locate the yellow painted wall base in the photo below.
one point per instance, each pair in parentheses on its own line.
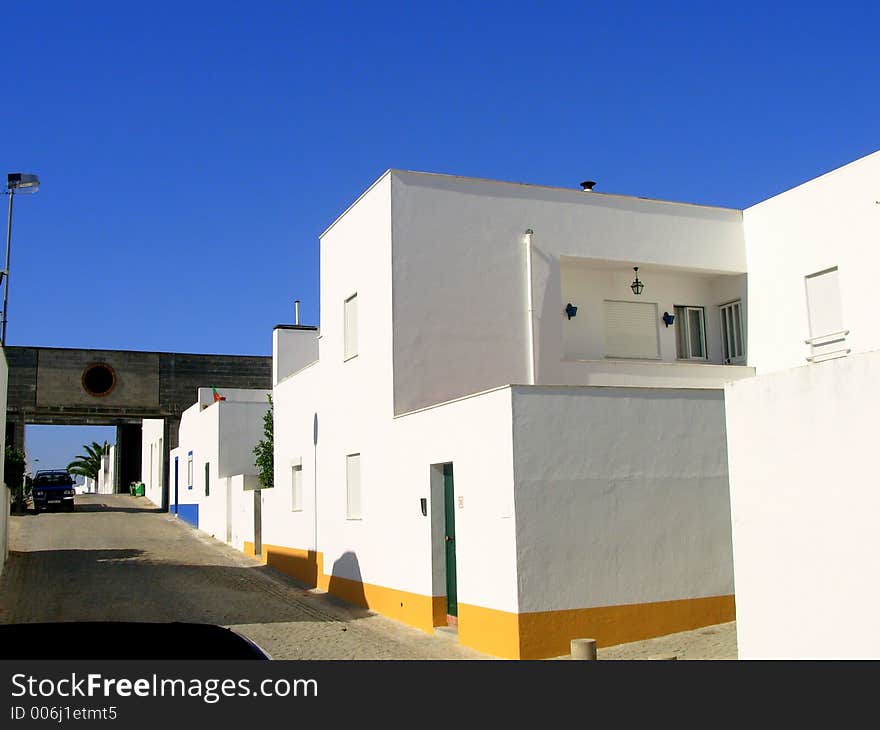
(500,633)
(549,633)
(308,566)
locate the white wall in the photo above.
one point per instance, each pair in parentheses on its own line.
(393,541)
(833,220)
(293,348)
(152,458)
(222,435)
(336,407)
(241,427)
(459,272)
(107,475)
(4,491)
(621,496)
(804,501)
(242,512)
(198,432)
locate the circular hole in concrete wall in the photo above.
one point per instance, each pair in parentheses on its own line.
(99,379)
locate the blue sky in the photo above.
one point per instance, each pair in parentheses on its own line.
(191,153)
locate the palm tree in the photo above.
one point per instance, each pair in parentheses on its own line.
(89,466)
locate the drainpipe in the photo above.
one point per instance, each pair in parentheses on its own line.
(530,328)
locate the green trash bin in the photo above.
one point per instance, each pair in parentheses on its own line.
(139,489)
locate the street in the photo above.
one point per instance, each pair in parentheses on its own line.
(118,558)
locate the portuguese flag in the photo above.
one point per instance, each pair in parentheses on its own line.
(217,396)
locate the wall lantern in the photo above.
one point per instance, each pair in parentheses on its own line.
(668,318)
(571,310)
(636,286)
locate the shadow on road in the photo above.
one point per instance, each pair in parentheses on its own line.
(86,507)
(103,507)
(127,585)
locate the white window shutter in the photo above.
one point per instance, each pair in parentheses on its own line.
(823,303)
(353,482)
(631,330)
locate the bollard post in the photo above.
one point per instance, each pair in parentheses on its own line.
(583,649)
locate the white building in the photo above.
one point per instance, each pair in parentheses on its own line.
(152,458)
(460,450)
(214,463)
(801,439)
(87,486)
(107,474)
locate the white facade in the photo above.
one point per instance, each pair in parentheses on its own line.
(214,455)
(88,486)
(153,458)
(800,435)
(462,294)
(293,348)
(107,475)
(438,313)
(827,223)
(804,505)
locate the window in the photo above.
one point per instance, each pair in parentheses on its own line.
(827,334)
(823,303)
(296,487)
(351,327)
(353,486)
(732,337)
(189,470)
(690,333)
(207,480)
(631,330)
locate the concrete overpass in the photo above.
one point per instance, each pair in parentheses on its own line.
(119,388)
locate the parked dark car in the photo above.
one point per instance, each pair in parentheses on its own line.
(53,489)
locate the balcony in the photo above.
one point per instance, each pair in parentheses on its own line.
(647,374)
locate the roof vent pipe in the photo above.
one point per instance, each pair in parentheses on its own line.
(587,185)
(296,311)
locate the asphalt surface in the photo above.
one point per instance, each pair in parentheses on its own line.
(117,558)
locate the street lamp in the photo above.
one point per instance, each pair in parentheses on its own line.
(25,183)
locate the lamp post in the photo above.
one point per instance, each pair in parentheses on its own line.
(26,183)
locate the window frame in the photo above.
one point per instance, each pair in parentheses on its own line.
(348,489)
(207,478)
(347,352)
(727,335)
(683,333)
(296,490)
(189,470)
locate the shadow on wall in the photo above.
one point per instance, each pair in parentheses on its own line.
(346,581)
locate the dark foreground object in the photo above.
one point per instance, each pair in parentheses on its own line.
(124,640)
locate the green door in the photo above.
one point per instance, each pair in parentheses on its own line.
(449,501)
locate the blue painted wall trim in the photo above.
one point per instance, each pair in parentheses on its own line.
(189,513)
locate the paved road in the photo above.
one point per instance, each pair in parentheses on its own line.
(114,559)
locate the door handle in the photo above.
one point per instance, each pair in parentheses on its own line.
(449,538)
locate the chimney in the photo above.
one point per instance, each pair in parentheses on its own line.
(587,185)
(296,311)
